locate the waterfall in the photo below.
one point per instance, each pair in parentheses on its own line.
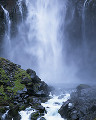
(84,39)
(19,3)
(45,20)
(83,23)
(40,42)
(7,39)
(8,26)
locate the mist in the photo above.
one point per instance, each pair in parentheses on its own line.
(55,38)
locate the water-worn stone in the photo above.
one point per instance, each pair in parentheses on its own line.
(83,105)
(35,115)
(42,118)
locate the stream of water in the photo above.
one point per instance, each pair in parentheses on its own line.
(52,107)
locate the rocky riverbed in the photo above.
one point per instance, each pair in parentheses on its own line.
(81,105)
(20,89)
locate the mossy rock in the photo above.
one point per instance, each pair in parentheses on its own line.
(3,109)
(35,116)
(42,118)
(23,107)
(11,76)
(17,85)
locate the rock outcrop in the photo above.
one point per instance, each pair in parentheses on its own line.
(20,89)
(81,105)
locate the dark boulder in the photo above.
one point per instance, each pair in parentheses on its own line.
(13,113)
(42,118)
(35,116)
(64,110)
(31,73)
(81,105)
(20,89)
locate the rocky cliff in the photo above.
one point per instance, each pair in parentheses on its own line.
(20,89)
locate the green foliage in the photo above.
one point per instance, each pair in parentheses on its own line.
(4,77)
(4,96)
(11,73)
(2,90)
(20,74)
(35,116)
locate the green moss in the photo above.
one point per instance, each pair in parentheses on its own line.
(35,116)
(2,109)
(11,77)
(23,107)
(4,96)
(2,89)
(19,75)
(4,77)
(18,86)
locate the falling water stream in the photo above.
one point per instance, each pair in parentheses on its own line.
(83,24)
(19,3)
(40,45)
(7,40)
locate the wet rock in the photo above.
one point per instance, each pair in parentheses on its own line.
(83,106)
(42,118)
(13,113)
(93,108)
(35,116)
(3,109)
(18,89)
(31,73)
(64,110)
(9,117)
(25,80)
(41,108)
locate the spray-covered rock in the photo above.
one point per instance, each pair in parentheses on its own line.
(81,105)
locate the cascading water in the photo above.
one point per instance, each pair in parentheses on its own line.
(48,50)
(7,41)
(40,41)
(19,3)
(84,39)
(83,24)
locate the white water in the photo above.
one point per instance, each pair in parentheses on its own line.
(40,41)
(47,49)
(25,115)
(19,3)
(84,39)
(52,107)
(4,115)
(7,41)
(83,22)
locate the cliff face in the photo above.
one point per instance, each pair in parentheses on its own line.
(20,89)
(13,7)
(80,15)
(80,35)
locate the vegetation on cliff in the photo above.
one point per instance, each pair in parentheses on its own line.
(20,88)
